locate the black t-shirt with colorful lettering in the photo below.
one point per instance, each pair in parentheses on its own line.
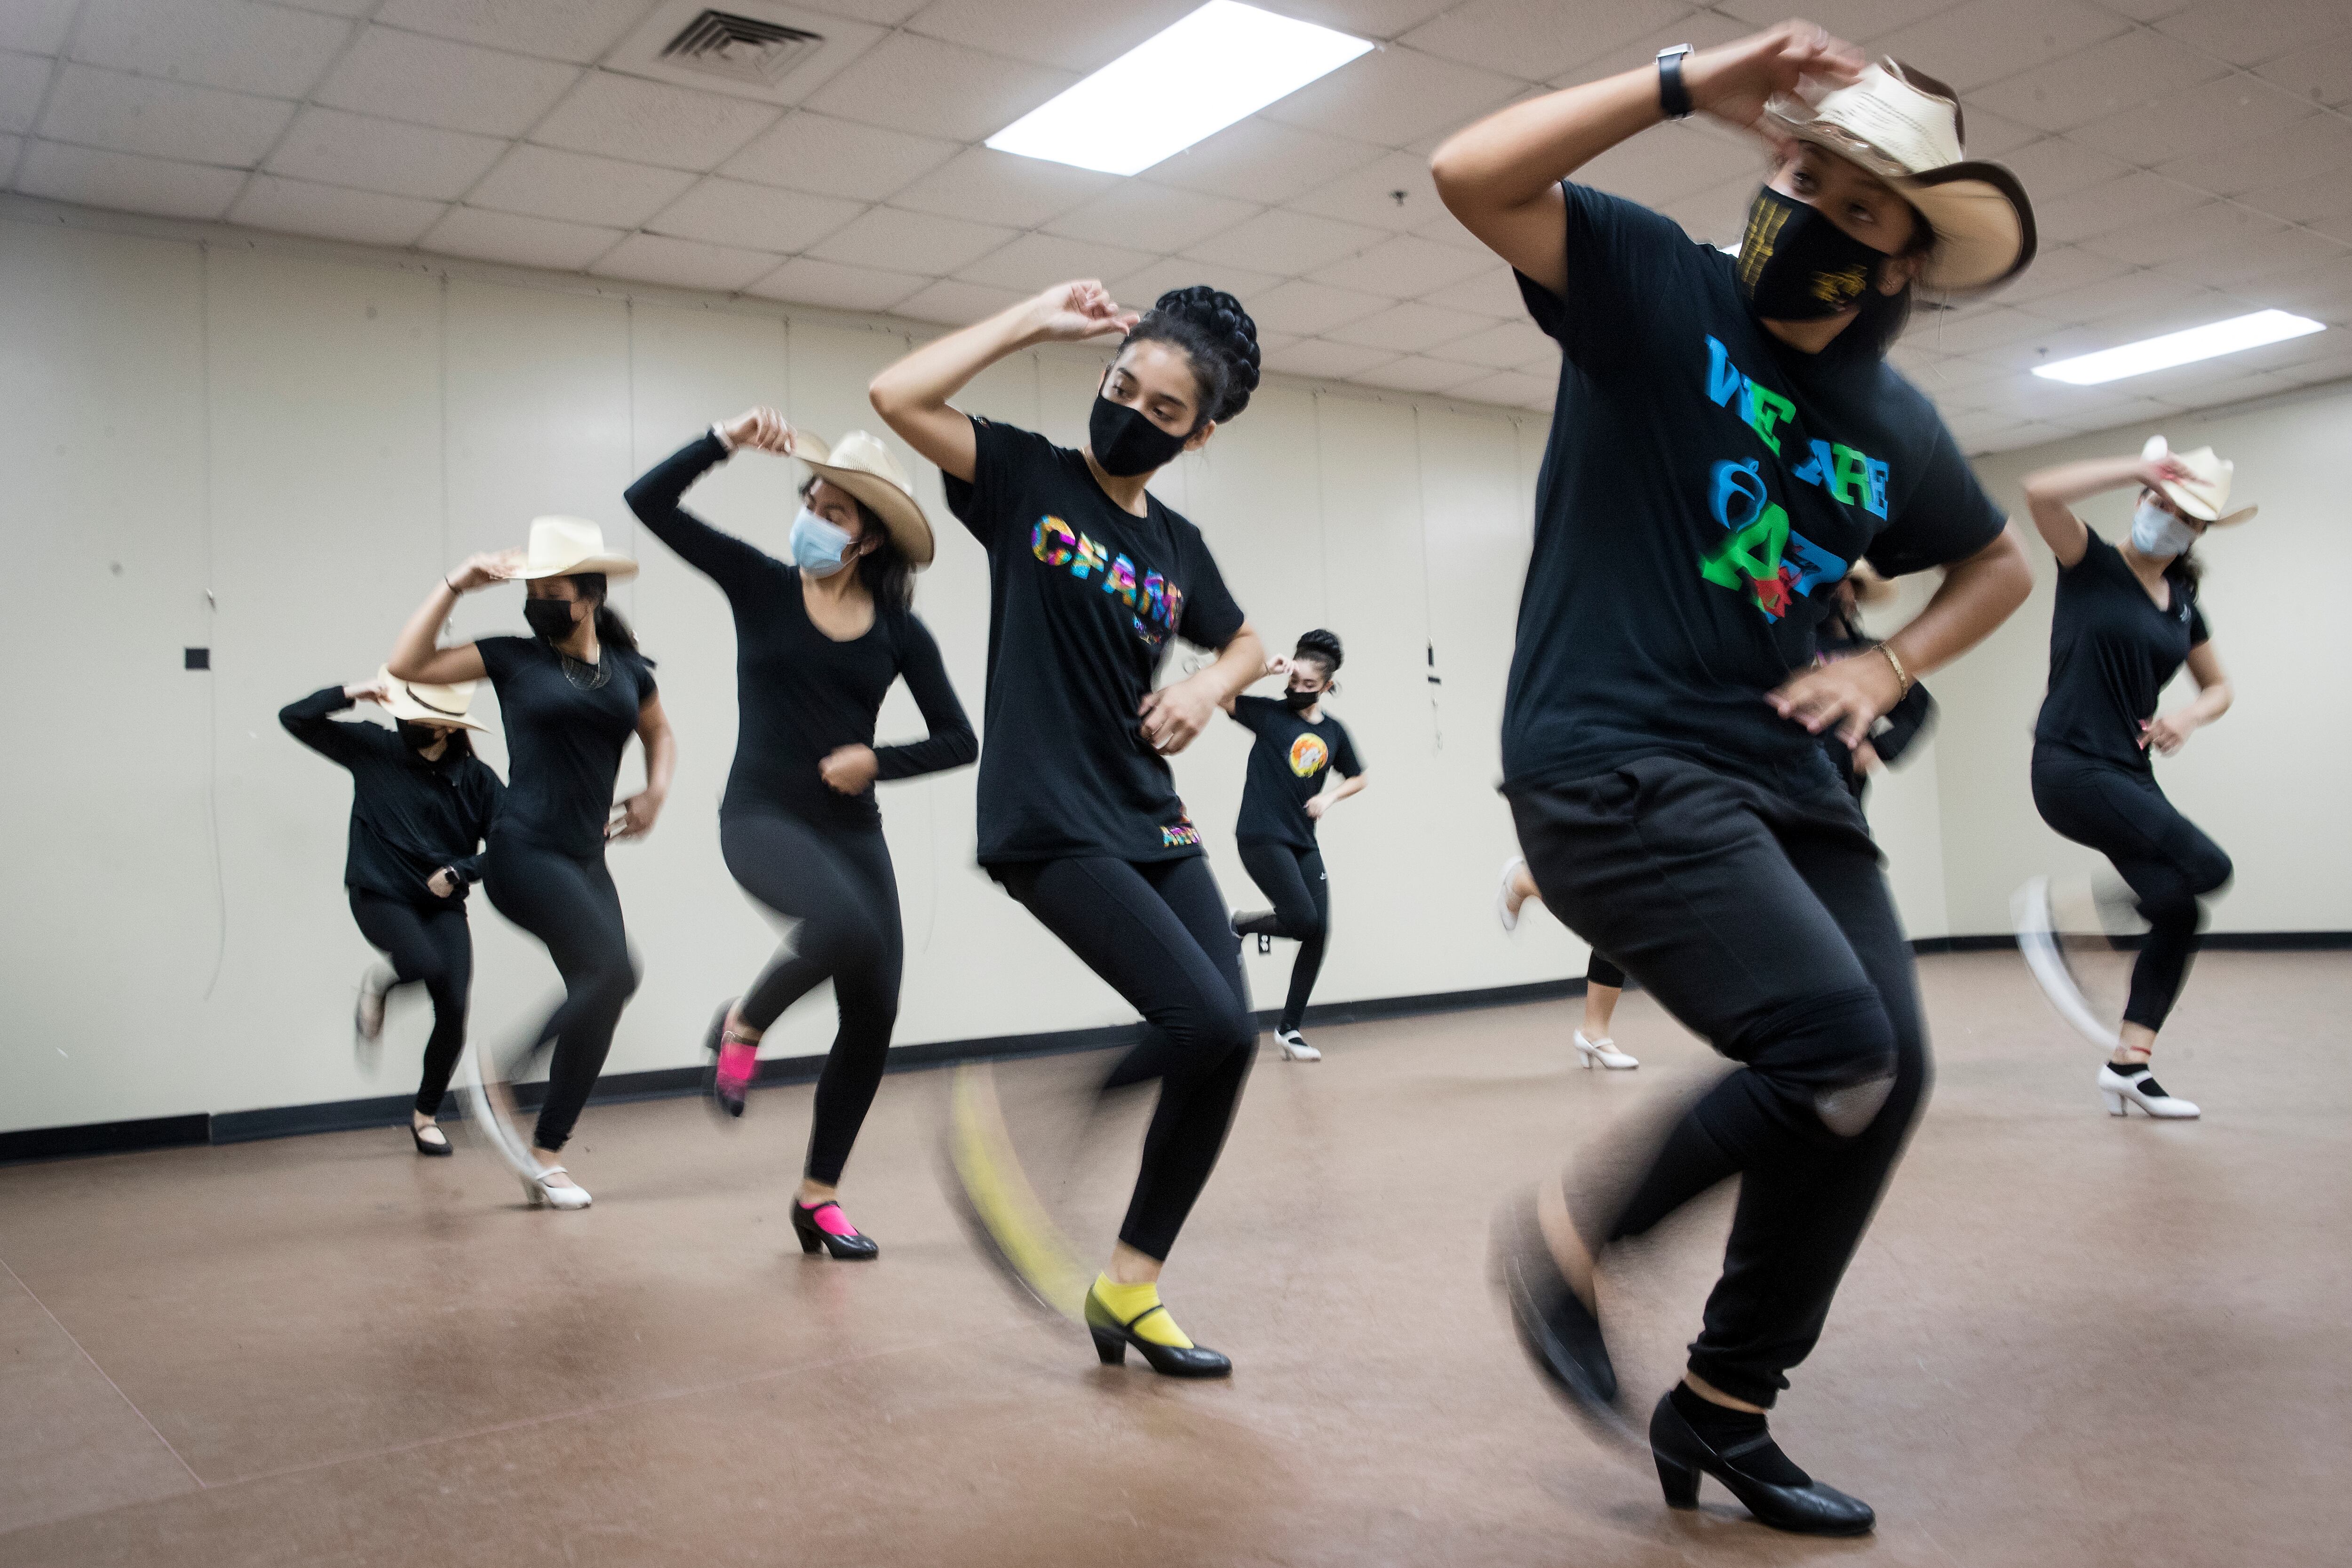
(2112,650)
(1288,766)
(1084,597)
(1704,486)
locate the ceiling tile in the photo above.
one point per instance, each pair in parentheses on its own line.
(1151,218)
(921,85)
(9,147)
(1330,362)
(1982,329)
(1509,346)
(1857,20)
(1446,229)
(1409,328)
(576,188)
(2140,291)
(2312,150)
(837,158)
(2054,270)
(2310,291)
(1493,292)
(2053,166)
(1393,96)
(1511,389)
(1035,260)
(1369,194)
(168,119)
(1405,267)
(955,304)
(684,263)
(2103,209)
(1415,373)
(1701,29)
(652,122)
(2322,73)
(2305,200)
(519,241)
(1286,242)
(432,81)
(1535,40)
(126,182)
(1715,216)
(1312,309)
(2247,34)
(1077,34)
(335,7)
(23,80)
(2099,81)
(334,148)
(753,217)
(2221,113)
(804,280)
(1258,160)
(1364,19)
(912,242)
(576,30)
(2244,266)
(1984,40)
(2146,10)
(365,217)
(1673,160)
(1138,289)
(2174,235)
(881,13)
(988,186)
(233,44)
(36,26)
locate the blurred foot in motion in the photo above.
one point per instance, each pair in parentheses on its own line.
(367,1018)
(1547,1271)
(999,1205)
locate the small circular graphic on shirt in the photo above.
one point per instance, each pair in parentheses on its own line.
(1308,755)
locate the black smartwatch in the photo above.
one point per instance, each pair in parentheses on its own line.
(1674,94)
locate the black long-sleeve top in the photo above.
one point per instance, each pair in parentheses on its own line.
(410,818)
(800,695)
(1897,727)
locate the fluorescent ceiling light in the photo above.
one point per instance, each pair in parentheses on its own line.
(1224,62)
(2180,348)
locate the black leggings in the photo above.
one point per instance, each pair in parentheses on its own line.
(1599,971)
(1156,932)
(1293,878)
(569,902)
(430,946)
(838,884)
(1759,917)
(2167,858)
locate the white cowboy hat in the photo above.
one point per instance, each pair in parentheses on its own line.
(1905,128)
(864,467)
(421,704)
(568,546)
(2206,490)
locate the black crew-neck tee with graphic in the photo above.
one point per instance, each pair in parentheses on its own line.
(2112,650)
(1288,765)
(564,739)
(1084,597)
(1704,486)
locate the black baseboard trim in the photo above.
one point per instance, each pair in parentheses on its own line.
(666,1083)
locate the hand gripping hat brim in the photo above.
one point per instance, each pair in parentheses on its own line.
(2206,490)
(860,464)
(568,547)
(420,703)
(1905,128)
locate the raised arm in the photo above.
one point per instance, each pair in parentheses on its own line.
(2167,732)
(417,655)
(306,719)
(723,558)
(1501,175)
(1275,664)
(2051,495)
(912,394)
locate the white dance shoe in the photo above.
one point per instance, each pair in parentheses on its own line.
(2122,1093)
(367,1016)
(2037,939)
(1294,1048)
(1505,910)
(1602,1052)
(540,1192)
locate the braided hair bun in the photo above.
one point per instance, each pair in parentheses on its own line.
(1217,335)
(1321,645)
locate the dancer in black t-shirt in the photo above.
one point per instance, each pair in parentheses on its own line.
(818,642)
(571,696)
(2126,621)
(421,804)
(1299,749)
(1090,578)
(1726,441)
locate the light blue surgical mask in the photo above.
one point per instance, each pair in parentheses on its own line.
(818,547)
(2155,531)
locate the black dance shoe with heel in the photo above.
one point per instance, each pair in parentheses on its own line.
(1112,1337)
(437,1146)
(1560,1334)
(1753,1469)
(849,1245)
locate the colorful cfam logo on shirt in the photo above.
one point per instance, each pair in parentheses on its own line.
(1156,605)
(1180,833)
(1308,755)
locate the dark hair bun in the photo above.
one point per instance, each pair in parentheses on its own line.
(1319,644)
(1211,326)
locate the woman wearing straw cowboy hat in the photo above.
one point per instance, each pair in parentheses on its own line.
(2126,621)
(819,639)
(1728,441)
(571,695)
(421,804)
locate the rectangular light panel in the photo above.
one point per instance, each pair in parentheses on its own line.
(2228,337)
(1223,62)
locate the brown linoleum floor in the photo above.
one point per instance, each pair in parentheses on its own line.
(2068,1340)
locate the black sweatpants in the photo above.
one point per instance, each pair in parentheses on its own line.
(1292,880)
(1758,916)
(2167,859)
(1156,932)
(569,902)
(431,946)
(839,885)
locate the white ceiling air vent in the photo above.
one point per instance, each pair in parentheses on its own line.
(742,49)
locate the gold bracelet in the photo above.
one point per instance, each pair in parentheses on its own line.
(1902,675)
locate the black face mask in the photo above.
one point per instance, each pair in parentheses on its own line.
(1126,443)
(550,618)
(1300,701)
(1795,265)
(418,737)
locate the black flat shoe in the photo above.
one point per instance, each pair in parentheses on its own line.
(1112,1338)
(1557,1330)
(853,1248)
(437,1151)
(1809,1510)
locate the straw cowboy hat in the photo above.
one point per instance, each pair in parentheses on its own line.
(2206,490)
(864,467)
(1905,128)
(568,546)
(421,704)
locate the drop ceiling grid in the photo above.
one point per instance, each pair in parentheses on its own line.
(2191,158)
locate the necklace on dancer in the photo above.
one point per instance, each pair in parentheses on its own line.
(583,675)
